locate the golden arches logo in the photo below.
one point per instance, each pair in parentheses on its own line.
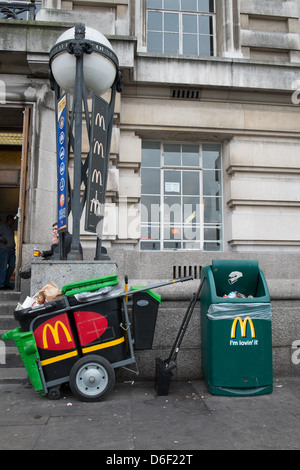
(54,331)
(243,326)
(101,121)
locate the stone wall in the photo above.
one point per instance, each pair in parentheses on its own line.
(281,272)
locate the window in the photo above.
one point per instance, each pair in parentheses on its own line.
(181,201)
(180,27)
(19,9)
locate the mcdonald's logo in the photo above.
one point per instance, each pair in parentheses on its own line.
(98,148)
(95,207)
(97,176)
(101,121)
(243,327)
(55,334)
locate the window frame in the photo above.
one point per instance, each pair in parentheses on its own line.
(154,223)
(180,33)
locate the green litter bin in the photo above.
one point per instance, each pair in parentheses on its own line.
(236,330)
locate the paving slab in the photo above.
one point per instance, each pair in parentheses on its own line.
(134,419)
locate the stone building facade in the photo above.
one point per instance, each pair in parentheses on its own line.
(204,159)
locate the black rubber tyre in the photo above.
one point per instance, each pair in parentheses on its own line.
(54,393)
(91,378)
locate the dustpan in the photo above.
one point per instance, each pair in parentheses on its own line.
(163,376)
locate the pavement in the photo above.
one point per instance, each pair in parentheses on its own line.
(133,418)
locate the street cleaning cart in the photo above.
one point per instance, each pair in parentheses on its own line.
(81,338)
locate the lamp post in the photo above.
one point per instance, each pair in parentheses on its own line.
(82,61)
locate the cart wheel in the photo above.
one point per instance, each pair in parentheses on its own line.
(54,393)
(91,378)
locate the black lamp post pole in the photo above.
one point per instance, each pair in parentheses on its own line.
(77,47)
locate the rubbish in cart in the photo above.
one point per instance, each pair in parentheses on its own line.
(79,339)
(28,302)
(48,293)
(163,371)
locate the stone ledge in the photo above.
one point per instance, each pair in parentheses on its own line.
(64,272)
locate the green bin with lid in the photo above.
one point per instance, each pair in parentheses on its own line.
(236,332)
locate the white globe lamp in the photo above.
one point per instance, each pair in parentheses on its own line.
(99,66)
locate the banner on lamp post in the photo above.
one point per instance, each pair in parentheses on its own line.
(98,165)
(62,164)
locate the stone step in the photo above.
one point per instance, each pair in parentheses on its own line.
(11,365)
(8,301)
(11,357)
(13,375)
(7,306)
(9,354)
(9,295)
(7,322)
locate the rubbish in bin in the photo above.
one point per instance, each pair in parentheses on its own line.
(231,295)
(163,370)
(235,294)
